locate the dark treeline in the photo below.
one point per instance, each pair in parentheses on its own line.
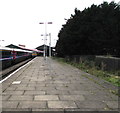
(93,31)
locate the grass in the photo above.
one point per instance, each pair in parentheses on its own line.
(90,68)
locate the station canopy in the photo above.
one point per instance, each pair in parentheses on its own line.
(23,48)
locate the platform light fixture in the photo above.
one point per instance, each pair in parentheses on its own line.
(45,37)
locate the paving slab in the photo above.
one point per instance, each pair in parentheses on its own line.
(25,88)
(21,98)
(72,97)
(61,104)
(48,86)
(13,92)
(5,97)
(46,97)
(48,110)
(34,92)
(92,105)
(57,92)
(32,104)
(112,104)
(10,104)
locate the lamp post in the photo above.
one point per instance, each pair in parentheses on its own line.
(45,36)
(50,45)
(45,42)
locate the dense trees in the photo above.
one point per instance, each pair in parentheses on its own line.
(95,30)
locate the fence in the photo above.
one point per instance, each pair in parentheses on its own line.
(104,63)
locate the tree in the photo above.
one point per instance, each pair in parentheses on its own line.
(95,30)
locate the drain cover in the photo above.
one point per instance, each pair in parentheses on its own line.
(16,82)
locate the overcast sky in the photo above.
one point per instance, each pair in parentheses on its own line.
(19,19)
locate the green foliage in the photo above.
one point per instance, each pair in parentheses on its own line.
(95,30)
(114,79)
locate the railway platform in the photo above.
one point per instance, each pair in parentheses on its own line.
(47,85)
